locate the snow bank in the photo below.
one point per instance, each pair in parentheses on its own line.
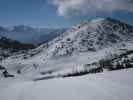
(115,85)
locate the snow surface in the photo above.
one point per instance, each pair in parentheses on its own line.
(117,85)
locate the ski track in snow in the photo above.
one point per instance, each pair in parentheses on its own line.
(115,85)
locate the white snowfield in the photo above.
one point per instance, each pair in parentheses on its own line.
(117,85)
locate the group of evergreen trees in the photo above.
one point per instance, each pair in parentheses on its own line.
(116,62)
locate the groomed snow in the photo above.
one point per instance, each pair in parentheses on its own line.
(117,85)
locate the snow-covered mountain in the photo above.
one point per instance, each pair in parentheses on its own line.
(2,29)
(86,48)
(22,28)
(92,36)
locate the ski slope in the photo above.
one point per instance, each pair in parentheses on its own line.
(117,85)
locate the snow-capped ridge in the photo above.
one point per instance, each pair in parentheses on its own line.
(91,36)
(97,20)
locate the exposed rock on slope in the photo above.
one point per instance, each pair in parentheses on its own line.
(92,36)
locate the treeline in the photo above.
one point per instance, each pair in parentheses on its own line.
(117,62)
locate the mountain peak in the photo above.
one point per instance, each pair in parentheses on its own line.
(98,20)
(104,19)
(93,35)
(23,28)
(3,29)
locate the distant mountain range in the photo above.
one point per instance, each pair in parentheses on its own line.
(27,34)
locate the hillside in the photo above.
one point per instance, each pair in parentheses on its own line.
(92,36)
(86,48)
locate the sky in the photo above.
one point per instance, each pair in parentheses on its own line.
(62,13)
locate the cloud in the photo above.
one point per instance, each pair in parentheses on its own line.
(78,7)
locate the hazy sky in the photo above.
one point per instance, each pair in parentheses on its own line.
(62,13)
